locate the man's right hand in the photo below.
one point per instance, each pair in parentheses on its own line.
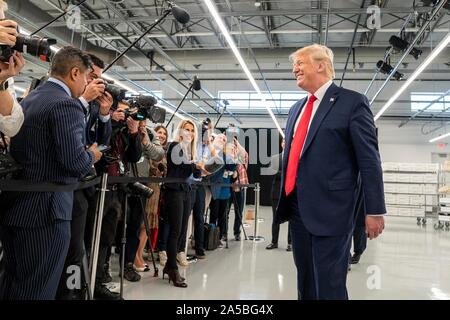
(118,116)
(12,68)
(94,90)
(97,154)
(8,32)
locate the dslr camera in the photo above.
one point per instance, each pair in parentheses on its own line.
(32,45)
(117,93)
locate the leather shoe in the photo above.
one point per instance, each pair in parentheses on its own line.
(355,258)
(103,293)
(272,246)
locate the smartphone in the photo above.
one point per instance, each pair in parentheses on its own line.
(103,148)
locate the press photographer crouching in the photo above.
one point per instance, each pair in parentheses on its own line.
(97,103)
(50,147)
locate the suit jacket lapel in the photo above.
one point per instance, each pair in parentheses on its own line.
(325,106)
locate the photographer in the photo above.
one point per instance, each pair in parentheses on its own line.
(154,144)
(97,104)
(126,148)
(11,115)
(36,225)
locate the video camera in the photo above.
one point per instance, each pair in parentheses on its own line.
(33,45)
(144,107)
(139,189)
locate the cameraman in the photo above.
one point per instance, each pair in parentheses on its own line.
(11,115)
(36,225)
(126,148)
(97,104)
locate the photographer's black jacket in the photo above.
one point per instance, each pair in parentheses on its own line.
(179,166)
(125,146)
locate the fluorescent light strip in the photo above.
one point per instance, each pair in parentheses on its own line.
(237,54)
(440,137)
(441,46)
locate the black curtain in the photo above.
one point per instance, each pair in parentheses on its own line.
(254,170)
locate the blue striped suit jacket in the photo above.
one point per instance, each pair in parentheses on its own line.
(50,148)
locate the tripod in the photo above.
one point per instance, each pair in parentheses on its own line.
(237,211)
(141,191)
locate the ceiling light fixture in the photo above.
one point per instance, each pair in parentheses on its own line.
(440,137)
(441,46)
(213,10)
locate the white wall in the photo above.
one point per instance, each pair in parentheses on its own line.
(408,152)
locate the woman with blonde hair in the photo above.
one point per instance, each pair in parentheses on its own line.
(177,199)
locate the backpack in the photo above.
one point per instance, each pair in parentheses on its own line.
(212,235)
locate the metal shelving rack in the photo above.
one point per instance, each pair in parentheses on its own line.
(411,189)
(444,199)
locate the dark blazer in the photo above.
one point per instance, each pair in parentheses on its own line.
(96,130)
(179,166)
(50,148)
(341,143)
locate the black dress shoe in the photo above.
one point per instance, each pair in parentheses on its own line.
(272,246)
(355,258)
(103,293)
(289,247)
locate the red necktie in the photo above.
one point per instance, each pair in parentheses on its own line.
(297,146)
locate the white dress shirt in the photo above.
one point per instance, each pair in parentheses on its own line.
(319,94)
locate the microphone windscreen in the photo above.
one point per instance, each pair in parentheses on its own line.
(196,85)
(147,100)
(180,15)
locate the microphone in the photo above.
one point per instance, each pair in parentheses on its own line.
(196,85)
(147,100)
(161,167)
(181,15)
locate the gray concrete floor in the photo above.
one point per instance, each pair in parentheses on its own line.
(407,262)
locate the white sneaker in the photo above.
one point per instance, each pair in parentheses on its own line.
(181,258)
(162,258)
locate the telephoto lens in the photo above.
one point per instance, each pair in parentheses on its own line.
(139,189)
(32,45)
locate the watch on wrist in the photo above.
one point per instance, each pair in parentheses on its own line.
(4,85)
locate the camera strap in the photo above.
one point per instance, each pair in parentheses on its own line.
(5,147)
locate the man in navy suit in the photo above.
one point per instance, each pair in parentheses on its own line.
(49,146)
(330,141)
(97,103)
